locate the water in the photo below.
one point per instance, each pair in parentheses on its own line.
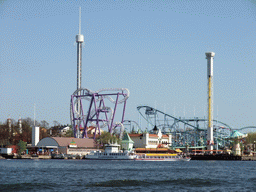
(90,175)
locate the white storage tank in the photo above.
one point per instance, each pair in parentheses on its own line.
(35,135)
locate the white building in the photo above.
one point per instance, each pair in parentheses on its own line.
(154,140)
(64,130)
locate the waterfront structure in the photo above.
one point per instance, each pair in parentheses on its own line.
(210,141)
(151,140)
(67,145)
(161,157)
(190,132)
(5,151)
(111,152)
(127,143)
(35,135)
(236,136)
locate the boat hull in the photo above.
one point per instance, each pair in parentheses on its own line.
(109,158)
(162,159)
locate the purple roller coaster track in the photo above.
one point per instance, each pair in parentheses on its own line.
(98,115)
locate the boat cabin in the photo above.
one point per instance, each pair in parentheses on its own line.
(112,148)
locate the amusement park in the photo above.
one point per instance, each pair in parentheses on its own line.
(93,113)
(104,110)
(120,95)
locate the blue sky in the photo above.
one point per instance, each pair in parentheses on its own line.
(155,48)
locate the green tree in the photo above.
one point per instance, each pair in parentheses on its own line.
(44,124)
(4,134)
(26,130)
(250,138)
(56,123)
(22,146)
(106,138)
(69,133)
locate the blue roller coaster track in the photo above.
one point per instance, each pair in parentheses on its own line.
(185,132)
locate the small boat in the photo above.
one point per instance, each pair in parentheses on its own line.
(162,157)
(111,153)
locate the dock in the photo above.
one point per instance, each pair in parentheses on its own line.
(224,157)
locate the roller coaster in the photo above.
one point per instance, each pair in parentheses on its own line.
(186,132)
(98,109)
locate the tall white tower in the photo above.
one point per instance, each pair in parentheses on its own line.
(35,130)
(35,135)
(79,41)
(20,125)
(210,141)
(9,122)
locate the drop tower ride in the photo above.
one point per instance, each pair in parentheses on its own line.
(210,141)
(79,41)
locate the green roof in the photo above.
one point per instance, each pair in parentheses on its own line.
(236,134)
(126,138)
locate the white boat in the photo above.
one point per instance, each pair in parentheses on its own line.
(111,153)
(162,157)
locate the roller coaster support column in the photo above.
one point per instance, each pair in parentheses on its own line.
(97,110)
(87,119)
(111,126)
(210,141)
(123,112)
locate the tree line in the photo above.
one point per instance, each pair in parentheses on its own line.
(13,136)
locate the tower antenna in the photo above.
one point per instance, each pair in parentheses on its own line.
(34,114)
(79,20)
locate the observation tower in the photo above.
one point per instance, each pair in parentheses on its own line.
(92,108)
(79,41)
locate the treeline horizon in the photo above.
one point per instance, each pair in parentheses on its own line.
(31,122)
(13,137)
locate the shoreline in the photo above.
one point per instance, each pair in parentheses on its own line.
(77,157)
